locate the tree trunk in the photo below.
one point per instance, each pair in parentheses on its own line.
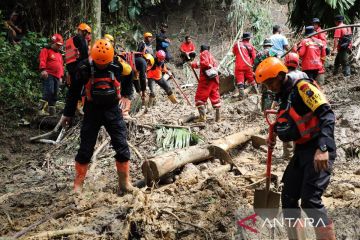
(96,20)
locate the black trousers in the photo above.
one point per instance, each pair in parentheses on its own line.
(162,83)
(140,85)
(111,119)
(50,89)
(302,182)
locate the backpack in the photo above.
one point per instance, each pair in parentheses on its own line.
(103,91)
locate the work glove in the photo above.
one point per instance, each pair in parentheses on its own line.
(65,121)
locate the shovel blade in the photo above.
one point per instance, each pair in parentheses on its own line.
(266,203)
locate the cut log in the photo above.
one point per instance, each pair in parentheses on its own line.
(236,139)
(165,163)
(258,141)
(158,166)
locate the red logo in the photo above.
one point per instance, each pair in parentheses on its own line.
(252,218)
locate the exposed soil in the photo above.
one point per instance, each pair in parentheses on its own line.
(201,201)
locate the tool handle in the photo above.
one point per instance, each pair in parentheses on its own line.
(177,85)
(270,149)
(267,114)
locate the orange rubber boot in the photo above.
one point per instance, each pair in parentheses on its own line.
(80,174)
(124,177)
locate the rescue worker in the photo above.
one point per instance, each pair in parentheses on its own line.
(110,38)
(245,55)
(321,36)
(145,46)
(101,79)
(155,74)
(305,117)
(187,50)
(127,75)
(14,32)
(52,70)
(342,46)
(163,42)
(312,53)
(208,86)
(267,97)
(76,50)
(279,41)
(291,61)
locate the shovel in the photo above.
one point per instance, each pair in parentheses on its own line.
(266,202)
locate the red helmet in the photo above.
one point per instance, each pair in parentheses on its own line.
(57,38)
(161,55)
(292,60)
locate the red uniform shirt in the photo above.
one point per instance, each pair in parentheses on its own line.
(52,62)
(313,53)
(248,53)
(207,61)
(340,32)
(187,47)
(321,36)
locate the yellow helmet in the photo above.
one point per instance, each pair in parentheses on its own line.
(126,68)
(147,34)
(84,27)
(150,59)
(109,37)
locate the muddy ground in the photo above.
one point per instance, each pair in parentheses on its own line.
(201,201)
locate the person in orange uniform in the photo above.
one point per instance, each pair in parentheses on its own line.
(245,56)
(305,117)
(52,70)
(187,50)
(101,79)
(208,86)
(312,53)
(321,36)
(342,46)
(76,50)
(155,74)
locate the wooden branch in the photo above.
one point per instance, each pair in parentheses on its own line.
(56,129)
(58,233)
(54,215)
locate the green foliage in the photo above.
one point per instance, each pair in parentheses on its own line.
(19,78)
(173,138)
(253,13)
(302,11)
(134,7)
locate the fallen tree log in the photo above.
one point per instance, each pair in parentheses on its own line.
(158,166)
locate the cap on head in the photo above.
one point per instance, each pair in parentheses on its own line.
(84,27)
(339,18)
(102,52)
(57,39)
(269,68)
(267,42)
(246,35)
(315,20)
(309,30)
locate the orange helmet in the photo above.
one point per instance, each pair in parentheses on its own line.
(102,52)
(292,60)
(84,27)
(269,68)
(147,34)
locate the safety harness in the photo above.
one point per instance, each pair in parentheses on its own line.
(291,126)
(102,90)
